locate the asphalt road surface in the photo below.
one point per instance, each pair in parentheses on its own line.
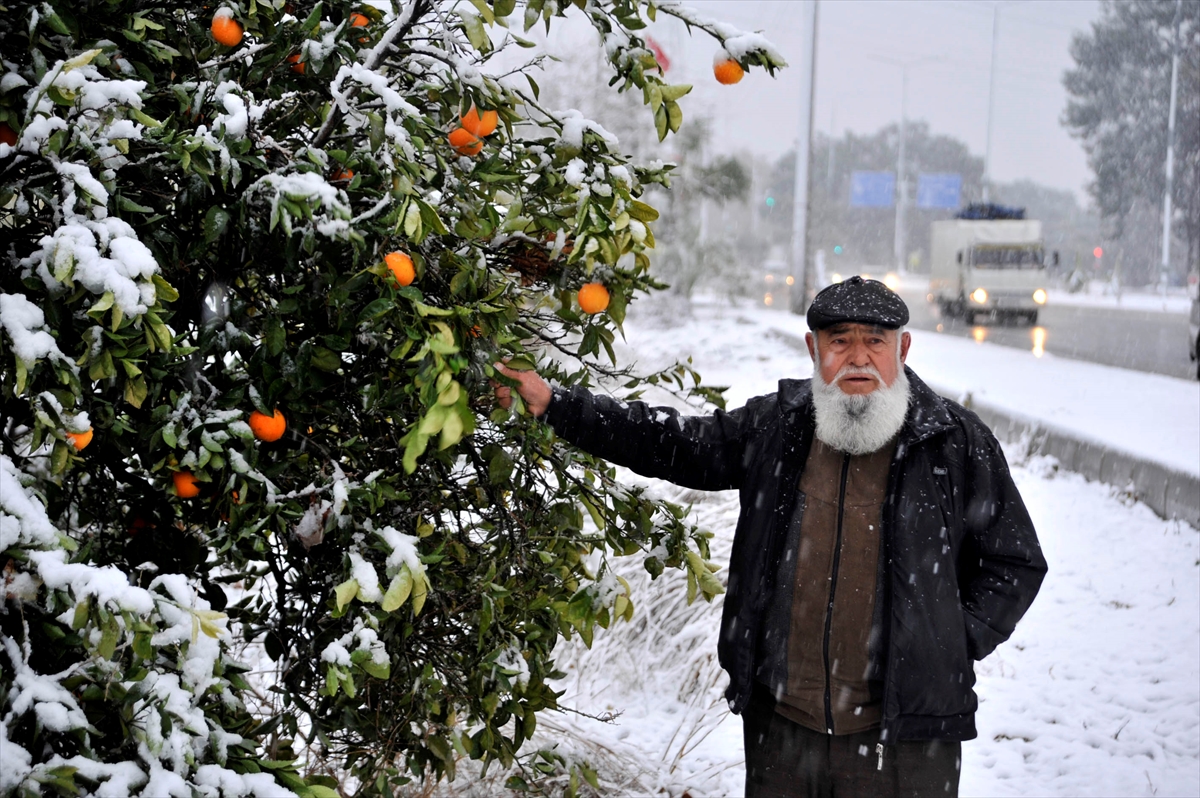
(1133,339)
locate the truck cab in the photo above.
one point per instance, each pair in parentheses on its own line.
(989,267)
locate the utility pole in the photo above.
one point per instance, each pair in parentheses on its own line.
(808,72)
(1166,235)
(987,152)
(900,239)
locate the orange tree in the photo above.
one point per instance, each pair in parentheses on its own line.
(199,205)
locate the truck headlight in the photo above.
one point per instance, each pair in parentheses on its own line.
(1039,296)
(979,296)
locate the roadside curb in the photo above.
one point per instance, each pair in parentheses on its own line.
(1166,491)
(1170,493)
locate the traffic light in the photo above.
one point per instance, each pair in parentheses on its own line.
(837,250)
(770,202)
(1098,252)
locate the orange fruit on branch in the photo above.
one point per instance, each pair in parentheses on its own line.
(225,29)
(298,66)
(358,20)
(401,267)
(267,428)
(465,142)
(80,440)
(480,124)
(593,298)
(186,484)
(342,174)
(726,69)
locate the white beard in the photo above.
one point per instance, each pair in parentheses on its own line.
(859,423)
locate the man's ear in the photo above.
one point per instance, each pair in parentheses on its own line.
(812,352)
(905,342)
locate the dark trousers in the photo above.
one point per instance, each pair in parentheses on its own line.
(786,760)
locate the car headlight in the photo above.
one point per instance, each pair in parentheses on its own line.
(979,296)
(1039,296)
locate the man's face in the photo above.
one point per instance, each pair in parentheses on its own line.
(857,348)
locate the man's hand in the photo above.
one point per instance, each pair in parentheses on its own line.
(533,390)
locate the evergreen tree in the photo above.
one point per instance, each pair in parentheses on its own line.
(1120,91)
(259,261)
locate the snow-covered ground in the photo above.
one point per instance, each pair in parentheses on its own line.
(1097,693)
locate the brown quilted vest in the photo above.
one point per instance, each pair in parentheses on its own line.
(834,593)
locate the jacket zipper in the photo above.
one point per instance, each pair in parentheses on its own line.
(837,556)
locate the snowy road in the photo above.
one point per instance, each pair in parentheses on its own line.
(1097,693)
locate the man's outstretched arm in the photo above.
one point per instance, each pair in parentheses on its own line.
(702,452)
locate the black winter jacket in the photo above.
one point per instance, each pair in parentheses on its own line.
(960,561)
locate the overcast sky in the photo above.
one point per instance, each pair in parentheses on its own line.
(859,93)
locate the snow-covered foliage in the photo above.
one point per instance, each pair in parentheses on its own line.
(197,208)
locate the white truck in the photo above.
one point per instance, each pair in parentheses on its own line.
(994,268)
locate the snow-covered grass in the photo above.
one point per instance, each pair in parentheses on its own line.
(1097,693)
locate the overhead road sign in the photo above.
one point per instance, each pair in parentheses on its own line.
(872,189)
(939,190)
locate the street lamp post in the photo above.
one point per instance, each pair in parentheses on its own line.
(1170,166)
(900,239)
(987,151)
(798,299)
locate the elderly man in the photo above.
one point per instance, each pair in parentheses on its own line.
(882,547)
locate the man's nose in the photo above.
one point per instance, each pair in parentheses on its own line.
(859,355)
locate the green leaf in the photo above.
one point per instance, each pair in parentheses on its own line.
(399,590)
(673,93)
(660,122)
(674,116)
(642,212)
(325,359)
(321,791)
(420,590)
(215,222)
(345,592)
(103,303)
(475,31)
(164,290)
(136,391)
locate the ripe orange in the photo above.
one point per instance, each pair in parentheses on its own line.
(728,71)
(225,29)
(358,20)
(7,135)
(480,124)
(268,428)
(80,440)
(401,267)
(342,174)
(593,298)
(298,66)
(465,142)
(186,484)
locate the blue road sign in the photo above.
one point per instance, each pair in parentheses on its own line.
(872,189)
(939,190)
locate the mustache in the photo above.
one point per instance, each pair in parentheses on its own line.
(848,370)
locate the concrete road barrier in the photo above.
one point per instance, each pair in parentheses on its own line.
(1167,491)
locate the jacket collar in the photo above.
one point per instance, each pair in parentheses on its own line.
(927,413)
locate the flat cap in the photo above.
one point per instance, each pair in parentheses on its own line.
(857,301)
